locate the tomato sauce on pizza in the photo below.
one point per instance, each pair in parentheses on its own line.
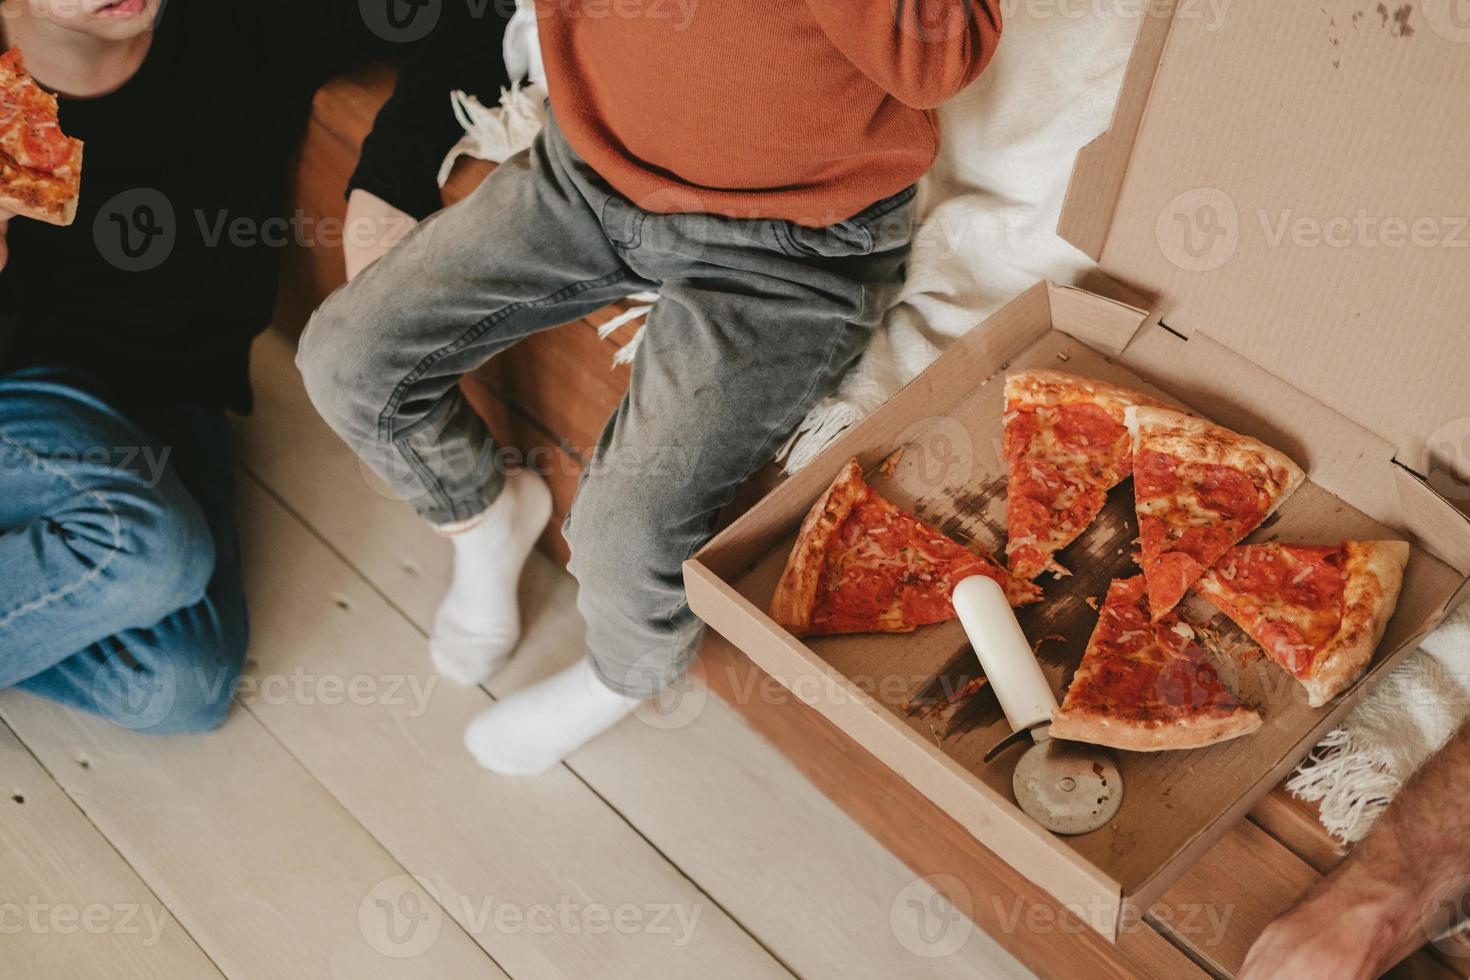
(40,166)
(1292,595)
(1146,683)
(887,569)
(1065,446)
(862,564)
(1199,489)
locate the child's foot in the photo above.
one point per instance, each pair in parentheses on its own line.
(532,730)
(479,623)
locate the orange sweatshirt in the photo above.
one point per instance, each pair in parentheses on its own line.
(805,110)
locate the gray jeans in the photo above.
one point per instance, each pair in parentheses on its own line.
(756,321)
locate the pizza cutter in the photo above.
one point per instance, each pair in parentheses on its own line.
(1067,787)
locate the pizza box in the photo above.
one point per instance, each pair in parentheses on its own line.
(1242,151)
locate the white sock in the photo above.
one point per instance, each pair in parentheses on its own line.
(479,622)
(532,730)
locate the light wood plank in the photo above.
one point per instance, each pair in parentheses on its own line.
(709,795)
(69,905)
(534,869)
(321,479)
(742,821)
(264,869)
(1295,823)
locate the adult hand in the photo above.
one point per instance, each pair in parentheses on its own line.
(1341,931)
(373,227)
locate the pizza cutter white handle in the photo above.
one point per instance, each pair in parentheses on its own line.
(1024,693)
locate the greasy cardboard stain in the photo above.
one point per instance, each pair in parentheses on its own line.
(1395,22)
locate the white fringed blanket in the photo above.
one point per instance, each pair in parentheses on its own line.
(988,213)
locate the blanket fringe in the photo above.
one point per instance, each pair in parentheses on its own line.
(819,430)
(499,132)
(633,314)
(1352,783)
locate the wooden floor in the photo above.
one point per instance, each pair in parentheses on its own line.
(336,827)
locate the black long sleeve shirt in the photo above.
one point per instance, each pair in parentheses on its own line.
(172,265)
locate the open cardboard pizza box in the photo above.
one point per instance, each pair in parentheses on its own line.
(1353,359)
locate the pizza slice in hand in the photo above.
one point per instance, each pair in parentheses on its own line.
(1318,612)
(1146,684)
(40,167)
(1199,489)
(862,565)
(1066,445)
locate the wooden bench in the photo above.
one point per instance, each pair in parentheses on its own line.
(552,394)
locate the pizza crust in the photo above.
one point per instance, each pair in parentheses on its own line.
(1374,573)
(796,593)
(1043,388)
(1199,441)
(1153,736)
(52,199)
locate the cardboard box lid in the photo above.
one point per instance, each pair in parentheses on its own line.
(1291,180)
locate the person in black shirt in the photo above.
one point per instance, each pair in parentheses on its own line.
(125,337)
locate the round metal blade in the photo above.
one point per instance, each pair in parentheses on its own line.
(1068,788)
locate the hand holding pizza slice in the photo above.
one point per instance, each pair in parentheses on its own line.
(1199,489)
(863,565)
(40,167)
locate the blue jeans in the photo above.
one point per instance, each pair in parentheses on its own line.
(756,321)
(120,588)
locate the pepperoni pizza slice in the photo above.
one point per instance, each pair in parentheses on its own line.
(1199,489)
(1065,445)
(1146,684)
(40,167)
(1318,612)
(863,565)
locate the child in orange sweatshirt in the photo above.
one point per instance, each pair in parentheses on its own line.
(754,164)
